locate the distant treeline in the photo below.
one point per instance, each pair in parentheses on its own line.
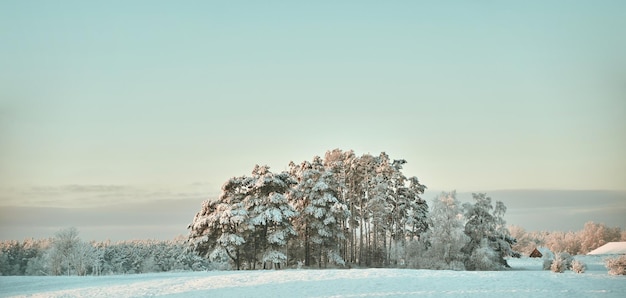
(592,236)
(67,254)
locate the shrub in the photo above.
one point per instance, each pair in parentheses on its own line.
(567,259)
(616,266)
(558,265)
(562,261)
(483,259)
(578,266)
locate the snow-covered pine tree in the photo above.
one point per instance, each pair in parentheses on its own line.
(222,226)
(385,211)
(340,163)
(418,209)
(400,203)
(362,179)
(381,222)
(410,212)
(484,227)
(322,214)
(270,214)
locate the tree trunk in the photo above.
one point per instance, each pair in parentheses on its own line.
(361,227)
(319,260)
(307,253)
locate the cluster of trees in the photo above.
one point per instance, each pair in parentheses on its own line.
(592,236)
(351,210)
(67,254)
(342,208)
(470,236)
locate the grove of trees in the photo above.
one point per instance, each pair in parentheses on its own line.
(343,208)
(347,210)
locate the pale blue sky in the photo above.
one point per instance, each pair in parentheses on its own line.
(475,95)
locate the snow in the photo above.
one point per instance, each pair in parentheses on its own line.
(525,279)
(611,248)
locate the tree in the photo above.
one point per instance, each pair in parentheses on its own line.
(489,239)
(524,242)
(63,250)
(82,258)
(220,226)
(340,163)
(250,222)
(322,214)
(270,214)
(595,235)
(446,236)
(417,211)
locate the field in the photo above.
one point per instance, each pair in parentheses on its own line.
(525,279)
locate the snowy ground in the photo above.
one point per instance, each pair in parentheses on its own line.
(525,279)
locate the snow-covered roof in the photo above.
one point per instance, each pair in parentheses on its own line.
(611,248)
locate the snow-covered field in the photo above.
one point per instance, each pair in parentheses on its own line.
(526,279)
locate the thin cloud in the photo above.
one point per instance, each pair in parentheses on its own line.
(79,196)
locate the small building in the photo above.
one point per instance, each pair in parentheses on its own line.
(611,248)
(536,254)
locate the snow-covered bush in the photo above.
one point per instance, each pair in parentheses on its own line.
(616,266)
(558,265)
(484,258)
(562,261)
(335,258)
(578,266)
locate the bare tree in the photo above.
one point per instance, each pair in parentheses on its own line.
(63,249)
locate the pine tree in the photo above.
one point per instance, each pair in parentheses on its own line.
(322,213)
(221,226)
(250,222)
(489,239)
(340,163)
(270,214)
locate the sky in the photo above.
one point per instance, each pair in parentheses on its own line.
(109,103)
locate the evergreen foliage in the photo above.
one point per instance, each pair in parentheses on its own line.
(340,210)
(488,236)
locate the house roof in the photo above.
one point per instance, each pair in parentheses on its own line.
(536,254)
(611,248)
